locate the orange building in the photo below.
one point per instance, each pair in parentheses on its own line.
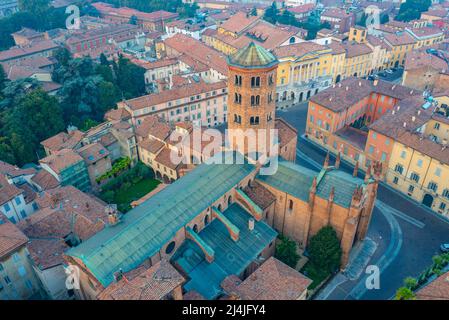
(340,118)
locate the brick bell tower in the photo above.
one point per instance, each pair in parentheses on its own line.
(251,100)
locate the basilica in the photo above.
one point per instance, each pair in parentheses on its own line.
(220,221)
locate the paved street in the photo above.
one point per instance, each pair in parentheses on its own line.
(405,234)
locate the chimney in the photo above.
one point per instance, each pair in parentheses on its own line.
(405,125)
(393,112)
(360,83)
(413,118)
(375,82)
(419,112)
(170,81)
(118,275)
(113,215)
(337,161)
(347,88)
(356,169)
(251,223)
(326,161)
(368,174)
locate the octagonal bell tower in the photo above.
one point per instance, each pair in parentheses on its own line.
(252,91)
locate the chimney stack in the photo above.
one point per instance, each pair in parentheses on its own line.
(326,161)
(356,169)
(251,223)
(113,215)
(337,161)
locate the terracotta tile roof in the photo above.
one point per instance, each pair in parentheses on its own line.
(13,171)
(117,114)
(11,238)
(297,49)
(154,127)
(174,94)
(239,22)
(199,51)
(335,13)
(421,59)
(302,8)
(29,194)
(107,9)
(438,289)
(392,125)
(377,42)
(260,195)
(7,191)
(47,253)
(45,180)
(161,63)
(425,32)
(93,152)
(63,140)
(193,295)
(337,48)
(154,283)
(17,53)
(441,13)
(285,131)
(262,33)
(352,90)
(62,159)
(425,146)
(151,145)
(273,280)
(356,49)
(63,211)
(164,158)
(397,39)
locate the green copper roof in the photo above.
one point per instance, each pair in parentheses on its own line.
(252,56)
(296,180)
(292,179)
(231,257)
(146,228)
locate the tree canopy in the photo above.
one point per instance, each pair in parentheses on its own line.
(185,10)
(324,250)
(286,251)
(412,9)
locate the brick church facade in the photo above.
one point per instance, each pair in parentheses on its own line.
(222,220)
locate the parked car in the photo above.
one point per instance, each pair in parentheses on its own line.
(389,71)
(444,247)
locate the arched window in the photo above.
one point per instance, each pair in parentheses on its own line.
(171,246)
(290,204)
(255,100)
(292,40)
(195,228)
(206,220)
(255,82)
(254,120)
(238,80)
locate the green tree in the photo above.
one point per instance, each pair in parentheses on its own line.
(404,293)
(324,250)
(130,78)
(3,79)
(286,251)
(6,152)
(253,12)
(35,6)
(271,13)
(412,9)
(410,283)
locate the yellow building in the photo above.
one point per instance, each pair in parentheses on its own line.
(426,36)
(357,34)
(400,43)
(419,165)
(304,70)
